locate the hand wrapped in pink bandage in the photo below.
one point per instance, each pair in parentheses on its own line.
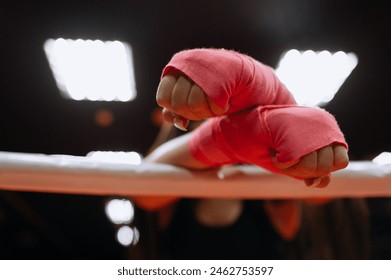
(254,118)
(297,141)
(203,83)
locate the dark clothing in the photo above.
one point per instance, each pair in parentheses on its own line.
(250,237)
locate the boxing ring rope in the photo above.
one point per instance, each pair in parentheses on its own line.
(81,175)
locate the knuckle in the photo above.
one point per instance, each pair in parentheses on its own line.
(323,168)
(324,182)
(167,116)
(178,108)
(195,106)
(162,100)
(181,110)
(177,105)
(309,167)
(182,84)
(342,163)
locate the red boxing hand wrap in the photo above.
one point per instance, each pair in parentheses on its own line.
(203,144)
(248,137)
(228,77)
(297,131)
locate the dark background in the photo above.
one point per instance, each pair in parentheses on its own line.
(35,118)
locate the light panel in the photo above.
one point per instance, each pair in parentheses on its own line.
(315,77)
(92,69)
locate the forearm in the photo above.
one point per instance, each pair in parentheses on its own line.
(176,152)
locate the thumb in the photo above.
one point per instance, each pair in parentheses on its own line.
(179,121)
(216,109)
(284,165)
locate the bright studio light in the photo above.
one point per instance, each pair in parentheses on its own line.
(315,77)
(127,236)
(92,70)
(116,157)
(383,159)
(120,211)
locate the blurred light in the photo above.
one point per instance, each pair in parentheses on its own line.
(92,70)
(104,118)
(127,236)
(116,157)
(120,211)
(315,77)
(383,159)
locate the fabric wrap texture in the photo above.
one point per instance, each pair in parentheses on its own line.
(263,117)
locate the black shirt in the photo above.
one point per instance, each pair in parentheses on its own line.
(250,237)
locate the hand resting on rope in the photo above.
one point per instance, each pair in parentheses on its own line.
(253,119)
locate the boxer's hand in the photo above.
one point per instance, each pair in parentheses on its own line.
(315,168)
(183,100)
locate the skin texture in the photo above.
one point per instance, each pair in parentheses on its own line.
(183,100)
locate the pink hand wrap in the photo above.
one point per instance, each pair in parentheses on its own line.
(249,137)
(274,124)
(228,77)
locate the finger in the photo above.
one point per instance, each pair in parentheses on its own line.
(181,123)
(318,182)
(179,97)
(325,181)
(180,94)
(175,119)
(308,164)
(285,165)
(310,182)
(198,103)
(216,110)
(305,168)
(168,116)
(164,91)
(325,159)
(341,158)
